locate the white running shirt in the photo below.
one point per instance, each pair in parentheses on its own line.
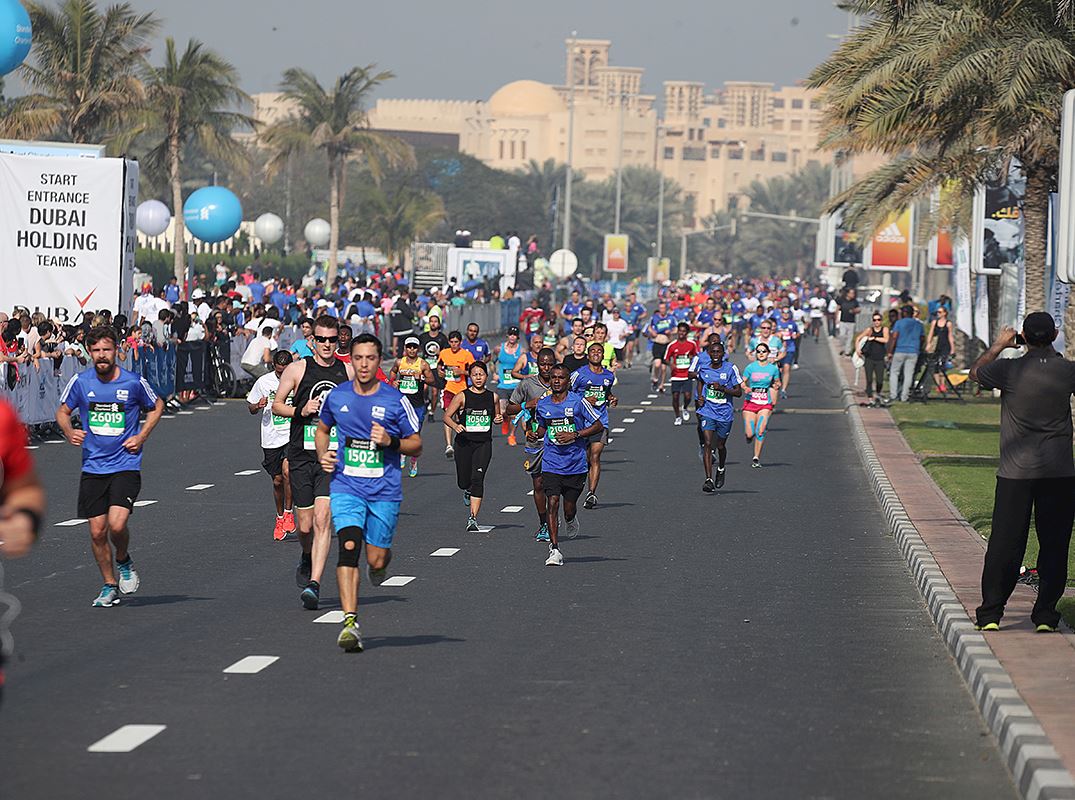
(275,431)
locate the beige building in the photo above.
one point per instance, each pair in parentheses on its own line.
(712,145)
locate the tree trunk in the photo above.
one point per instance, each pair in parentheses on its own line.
(180,254)
(1036,227)
(333,220)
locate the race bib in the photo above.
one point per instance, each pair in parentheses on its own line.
(308,437)
(759,396)
(107,419)
(408,384)
(550,341)
(557,426)
(362,459)
(476,421)
(506,377)
(596,395)
(532,369)
(785,334)
(278,422)
(683,362)
(451,373)
(715,396)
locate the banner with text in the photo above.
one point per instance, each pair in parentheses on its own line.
(62,228)
(890,247)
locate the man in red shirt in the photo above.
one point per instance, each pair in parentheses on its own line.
(678,357)
(532,319)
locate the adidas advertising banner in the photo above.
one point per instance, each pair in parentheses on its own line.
(63,224)
(890,248)
(940,244)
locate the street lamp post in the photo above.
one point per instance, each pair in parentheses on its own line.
(660,195)
(619,162)
(570,141)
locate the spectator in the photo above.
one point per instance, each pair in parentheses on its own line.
(1036,473)
(873,344)
(848,305)
(171,291)
(257,359)
(904,345)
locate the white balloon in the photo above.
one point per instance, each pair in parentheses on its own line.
(152,217)
(317,232)
(269,228)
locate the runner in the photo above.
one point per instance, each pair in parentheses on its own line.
(479,348)
(411,375)
(551,335)
(307,382)
(109,400)
(275,432)
(431,342)
(761,379)
(788,331)
(523,402)
(608,355)
(765,335)
(738,311)
(570,310)
(680,355)
(563,421)
(527,364)
(507,356)
(660,328)
(565,344)
(817,305)
(577,359)
(473,438)
(617,335)
(377,427)
(717,382)
(634,314)
(532,320)
(595,382)
(452,367)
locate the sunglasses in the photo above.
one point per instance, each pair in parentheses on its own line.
(323,339)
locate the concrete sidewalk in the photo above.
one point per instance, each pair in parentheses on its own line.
(1041,667)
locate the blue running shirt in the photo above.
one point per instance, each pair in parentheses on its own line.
(573,414)
(110,414)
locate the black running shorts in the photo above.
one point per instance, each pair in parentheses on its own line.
(568,486)
(658,351)
(308,482)
(273,460)
(98,493)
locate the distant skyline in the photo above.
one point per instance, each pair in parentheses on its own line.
(460,51)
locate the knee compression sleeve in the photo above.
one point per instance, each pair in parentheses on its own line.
(349,556)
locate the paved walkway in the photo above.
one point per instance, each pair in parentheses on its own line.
(1041,667)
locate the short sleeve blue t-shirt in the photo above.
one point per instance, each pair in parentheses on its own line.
(111,414)
(718,404)
(785,328)
(595,387)
(910,332)
(659,324)
(573,414)
(362,468)
(479,348)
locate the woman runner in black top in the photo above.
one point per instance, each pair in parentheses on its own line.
(473,437)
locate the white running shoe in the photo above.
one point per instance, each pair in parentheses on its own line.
(678,421)
(555,559)
(128,578)
(571,526)
(686,416)
(107,598)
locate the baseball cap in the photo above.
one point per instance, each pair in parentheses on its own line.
(411,340)
(513,330)
(1039,328)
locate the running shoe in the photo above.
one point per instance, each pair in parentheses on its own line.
(686,415)
(472,525)
(350,639)
(542,534)
(414,468)
(278,532)
(572,527)
(660,390)
(590,501)
(794,366)
(109,596)
(128,578)
(466,498)
(783,395)
(302,572)
(511,440)
(555,558)
(654,383)
(311,596)
(449,453)
(708,486)
(701,452)
(289,522)
(720,478)
(989,626)
(1043,628)
(677,421)
(755,463)
(379,576)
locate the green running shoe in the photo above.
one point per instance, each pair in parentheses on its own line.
(350,639)
(989,626)
(1043,628)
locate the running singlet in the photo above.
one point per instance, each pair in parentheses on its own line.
(595,387)
(362,468)
(717,403)
(760,378)
(680,355)
(531,368)
(110,414)
(316,383)
(476,415)
(411,384)
(573,414)
(505,363)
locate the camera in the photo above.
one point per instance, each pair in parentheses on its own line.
(1020,340)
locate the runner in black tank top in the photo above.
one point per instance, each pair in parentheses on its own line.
(472,414)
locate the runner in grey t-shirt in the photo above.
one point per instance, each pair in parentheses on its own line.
(523,400)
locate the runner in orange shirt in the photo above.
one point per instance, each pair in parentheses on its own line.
(452,366)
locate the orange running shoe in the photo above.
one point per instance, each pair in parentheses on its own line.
(289,522)
(278,533)
(511,440)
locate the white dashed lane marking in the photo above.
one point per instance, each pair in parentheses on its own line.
(70,523)
(185,413)
(638,411)
(651,396)
(143,503)
(619,430)
(398,580)
(202,408)
(530,493)
(334,617)
(445,552)
(32,447)
(629,420)
(56,441)
(251,665)
(646,403)
(245,472)
(126,738)
(511,509)
(199,487)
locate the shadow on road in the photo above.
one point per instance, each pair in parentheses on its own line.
(408,641)
(593,559)
(160,600)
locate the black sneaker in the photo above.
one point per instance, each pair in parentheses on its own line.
(720,478)
(591,501)
(311,596)
(708,486)
(472,526)
(302,572)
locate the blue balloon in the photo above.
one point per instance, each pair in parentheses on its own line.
(15,35)
(213,214)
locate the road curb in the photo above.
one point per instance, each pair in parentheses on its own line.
(1036,769)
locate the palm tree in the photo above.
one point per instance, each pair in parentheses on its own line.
(190,99)
(335,122)
(392,219)
(84,75)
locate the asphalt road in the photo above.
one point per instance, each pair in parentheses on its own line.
(763,642)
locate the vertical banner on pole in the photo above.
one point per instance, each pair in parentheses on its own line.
(941,254)
(616,249)
(1057,299)
(890,247)
(130,236)
(981,310)
(964,303)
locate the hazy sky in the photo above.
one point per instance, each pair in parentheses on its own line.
(466,49)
